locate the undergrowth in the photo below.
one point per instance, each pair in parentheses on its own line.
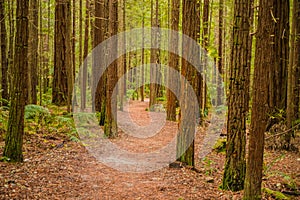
(43,120)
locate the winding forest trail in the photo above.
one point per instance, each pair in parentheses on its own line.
(71,172)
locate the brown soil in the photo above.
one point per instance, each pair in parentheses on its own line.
(70,172)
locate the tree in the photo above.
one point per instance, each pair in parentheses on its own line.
(263,63)
(122,60)
(155,73)
(235,165)
(100,34)
(110,126)
(185,137)
(4,64)
(205,43)
(220,54)
(278,76)
(62,54)
(293,72)
(85,54)
(142,89)
(15,129)
(33,52)
(173,62)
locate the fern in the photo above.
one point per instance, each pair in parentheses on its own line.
(36,112)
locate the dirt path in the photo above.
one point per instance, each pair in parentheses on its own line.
(71,172)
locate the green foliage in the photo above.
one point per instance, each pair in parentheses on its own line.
(4,101)
(269,166)
(209,169)
(162,99)
(3,117)
(4,159)
(65,124)
(35,112)
(276,194)
(221,109)
(278,114)
(130,93)
(47,97)
(220,145)
(212,52)
(39,119)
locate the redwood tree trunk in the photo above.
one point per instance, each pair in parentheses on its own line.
(85,53)
(294,72)
(110,126)
(185,137)
(4,64)
(100,33)
(155,74)
(278,74)
(62,54)
(15,130)
(33,52)
(235,165)
(173,62)
(220,54)
(259,116)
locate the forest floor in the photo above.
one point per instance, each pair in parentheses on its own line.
(56,170)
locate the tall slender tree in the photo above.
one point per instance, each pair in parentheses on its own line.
(155,69)
(4,64)
(278,76)
(294,71)
(15,129)
(100,34)
(206,24)
(122,60)
(185,137)
(220,54)
(262,65)
(110,126)
(235,165)
(33,52)
(173,62)
(62,54)
(85,53)
(142,88)
(11,5)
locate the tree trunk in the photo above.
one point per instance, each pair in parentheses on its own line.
(280,42)
(80,32)
(85,54)
(15,130)
(47,60)
(259,116)
(122,63)
(4,64)
(206,24)
(12,33)
(173,62)
(142,90)
(41,53)
(185,137)
(110,126)
(235,165)
(154,57)
(220,55)
(33,52)
(74,101)
(100,34)
(158,88)
(296,61)
(293,72)
(62,54)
